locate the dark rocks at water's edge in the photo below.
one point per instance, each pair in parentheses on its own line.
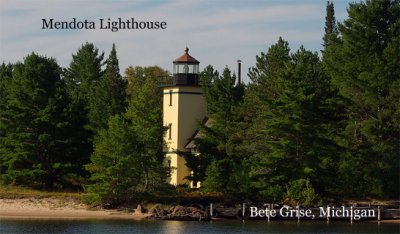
(198,212)
(178,212)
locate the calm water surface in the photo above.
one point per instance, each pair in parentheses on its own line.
(127,226)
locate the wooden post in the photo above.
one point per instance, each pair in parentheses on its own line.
(351,214)
(298,213)
(327,215)
(211,210)
(379,213)
(243,210)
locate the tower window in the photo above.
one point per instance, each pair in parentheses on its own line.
(169,131)
(169,168)
(170,97)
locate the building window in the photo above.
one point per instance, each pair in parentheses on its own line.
(169,131)
(170,97)
(169,168)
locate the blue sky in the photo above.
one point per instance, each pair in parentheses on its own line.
(218,32)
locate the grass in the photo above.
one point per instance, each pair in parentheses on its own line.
(14,192)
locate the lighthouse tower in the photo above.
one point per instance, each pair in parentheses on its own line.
(183,107)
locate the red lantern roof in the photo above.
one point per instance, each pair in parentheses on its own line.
(186,58)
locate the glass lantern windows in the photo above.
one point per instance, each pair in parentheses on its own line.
(185,68)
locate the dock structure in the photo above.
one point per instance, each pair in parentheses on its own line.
(351,213)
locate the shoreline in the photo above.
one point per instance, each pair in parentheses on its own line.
(72,209)
(56,208)
(63,216)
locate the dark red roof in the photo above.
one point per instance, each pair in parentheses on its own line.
(186,58)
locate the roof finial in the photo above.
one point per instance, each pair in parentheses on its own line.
(186,50)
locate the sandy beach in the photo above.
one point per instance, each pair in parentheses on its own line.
(55,208)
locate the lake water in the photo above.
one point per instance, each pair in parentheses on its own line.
(127,226)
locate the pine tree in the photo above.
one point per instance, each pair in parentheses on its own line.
(289,134)
(222,97)
(110,94)
(35,144)
(5,80)
(365,67)
(257,111)
(145,115)
(331,30)
(83,78)
(128,156)
(116,83)
(114,168)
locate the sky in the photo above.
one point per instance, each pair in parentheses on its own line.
(217,32)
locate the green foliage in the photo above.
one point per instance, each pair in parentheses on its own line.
(301,191)
(138,76)
(274,193)
(365,66)
(331,30)
(214,180)
(114,168)
(5,79)
(35,140)
(83,78)
(145,115)
(300,130)
(19,192)
(95,96)
(127,160)
(289,135)
(222,96)
(238,183)
(241,180)
(110,93)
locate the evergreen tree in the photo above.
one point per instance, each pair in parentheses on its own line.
(145,115)
(128,156)
(269,65)
(222,97)
(331,30)
(198,163)
(214,178)
(116,84)
(290,133)
(5,80)
(35,141)
(257,111)
(110,93)
(83,78)
(115,170)
(365,67)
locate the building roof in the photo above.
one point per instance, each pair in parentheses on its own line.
(198,134)
(186,58)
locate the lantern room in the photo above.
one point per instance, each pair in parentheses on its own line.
(186,70)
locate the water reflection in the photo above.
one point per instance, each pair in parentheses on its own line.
(127,226)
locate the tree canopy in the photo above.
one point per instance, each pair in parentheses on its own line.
(309,127)
(35,119)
